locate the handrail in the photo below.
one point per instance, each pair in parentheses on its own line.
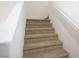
(69,18)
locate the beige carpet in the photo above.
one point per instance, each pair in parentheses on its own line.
(41,40)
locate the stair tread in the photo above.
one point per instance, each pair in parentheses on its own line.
(50,52)
(40,35)
(39,31)
(40,39)
(38,25)
(41,44)
(49,28)
(36,20)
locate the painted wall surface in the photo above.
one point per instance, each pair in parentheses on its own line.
(70,8)
(37,9)
(5,9)
(66,31)
(17,43)
(12,32)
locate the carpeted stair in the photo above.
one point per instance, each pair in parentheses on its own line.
(41,41)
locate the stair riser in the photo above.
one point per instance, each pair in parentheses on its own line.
(39,32)
(39,29)
(38,26)
(67,56)
(42,49)
(27,48)
(58,53)
(39,40)
(27,55)
(40,36)
(41,45)
(44,38)
(36,21)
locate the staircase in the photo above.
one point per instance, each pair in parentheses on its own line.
(41,41)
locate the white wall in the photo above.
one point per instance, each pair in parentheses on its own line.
(70,8)
(17,43)
(67,31)
(12,32)
(5,9)
(37,9)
